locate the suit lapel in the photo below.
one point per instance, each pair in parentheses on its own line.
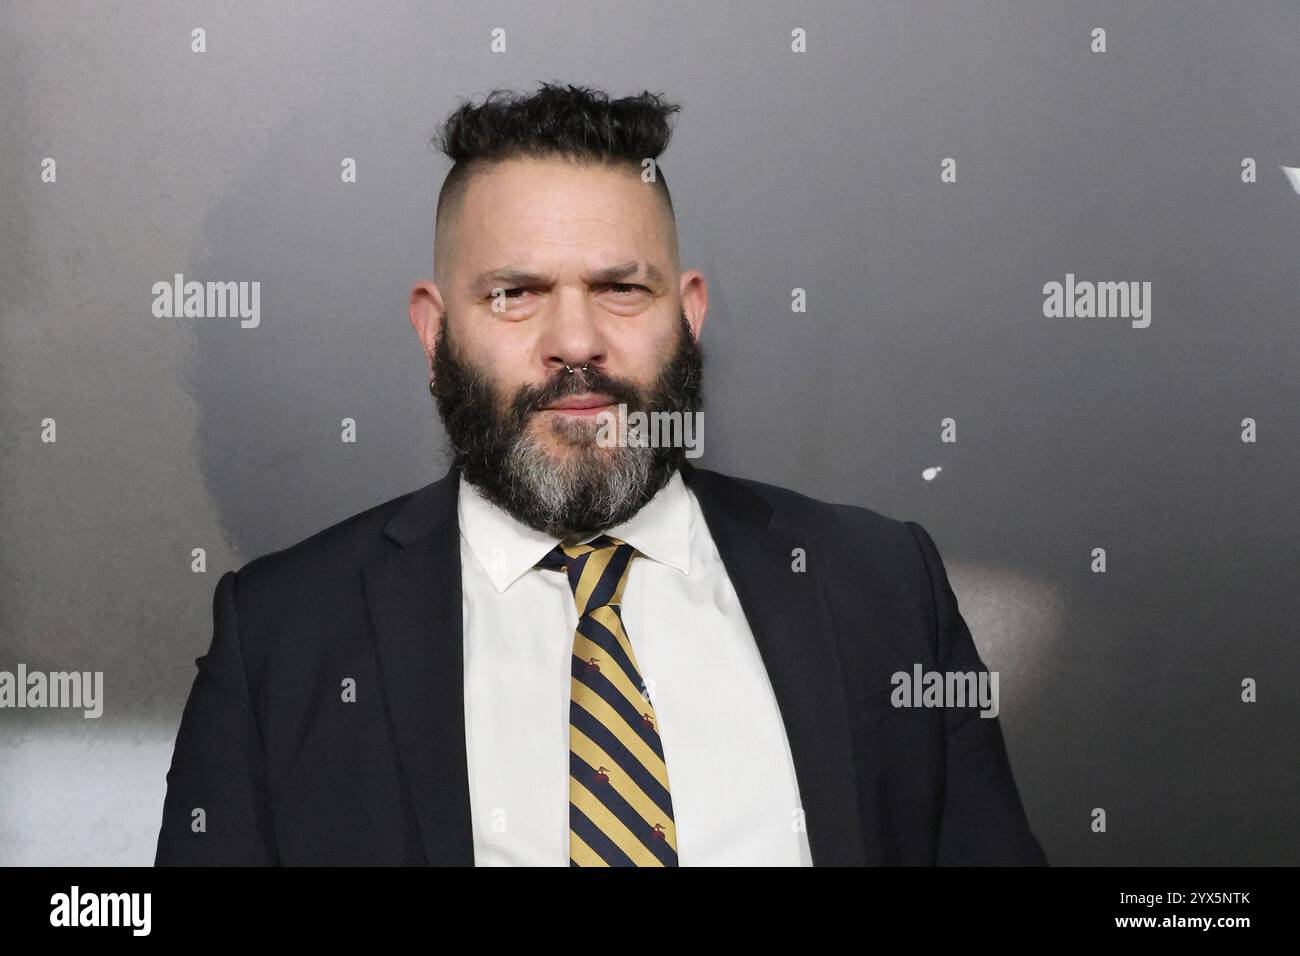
(414,596)
(791,625)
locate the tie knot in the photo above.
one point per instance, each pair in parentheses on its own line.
(597,570)
(561,555)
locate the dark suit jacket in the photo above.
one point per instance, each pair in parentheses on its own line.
(287,772)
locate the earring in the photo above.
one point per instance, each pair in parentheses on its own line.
(430,387)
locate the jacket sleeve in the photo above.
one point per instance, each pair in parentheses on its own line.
(984,822)
(217,809)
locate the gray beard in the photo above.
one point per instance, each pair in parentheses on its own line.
(610,484)
(580,487)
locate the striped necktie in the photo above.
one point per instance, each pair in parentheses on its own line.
(620,812)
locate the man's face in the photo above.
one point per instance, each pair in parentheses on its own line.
(549,267)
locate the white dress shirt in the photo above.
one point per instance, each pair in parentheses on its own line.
(730,774)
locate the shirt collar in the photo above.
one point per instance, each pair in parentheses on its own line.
(506,547)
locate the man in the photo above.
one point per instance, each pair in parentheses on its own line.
(572,649)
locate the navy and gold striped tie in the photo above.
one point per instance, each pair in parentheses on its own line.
(620,812)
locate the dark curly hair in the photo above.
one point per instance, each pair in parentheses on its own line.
(576,123)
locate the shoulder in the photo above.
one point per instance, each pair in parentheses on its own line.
(871,566)
(860,553)
(854,526)
(325,559)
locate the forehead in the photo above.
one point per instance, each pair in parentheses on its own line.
(520,210)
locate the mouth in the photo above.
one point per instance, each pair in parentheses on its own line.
(584,404)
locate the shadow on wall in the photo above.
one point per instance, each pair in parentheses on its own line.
(335,262)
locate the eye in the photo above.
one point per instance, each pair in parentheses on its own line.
(626,288)
(499,298)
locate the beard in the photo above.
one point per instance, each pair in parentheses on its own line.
(579,487)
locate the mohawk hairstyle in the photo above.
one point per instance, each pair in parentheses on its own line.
(576,123)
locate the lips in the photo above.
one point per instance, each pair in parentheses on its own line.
(580,402)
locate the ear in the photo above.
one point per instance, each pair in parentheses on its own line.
(427,315)
(695,299)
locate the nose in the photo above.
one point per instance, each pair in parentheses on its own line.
(572,338)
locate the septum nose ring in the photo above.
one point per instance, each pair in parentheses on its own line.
(570,369)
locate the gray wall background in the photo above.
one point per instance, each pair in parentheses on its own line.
(818,171)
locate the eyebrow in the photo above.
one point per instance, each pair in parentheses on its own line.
(509,277)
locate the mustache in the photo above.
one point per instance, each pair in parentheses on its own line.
(563,384)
